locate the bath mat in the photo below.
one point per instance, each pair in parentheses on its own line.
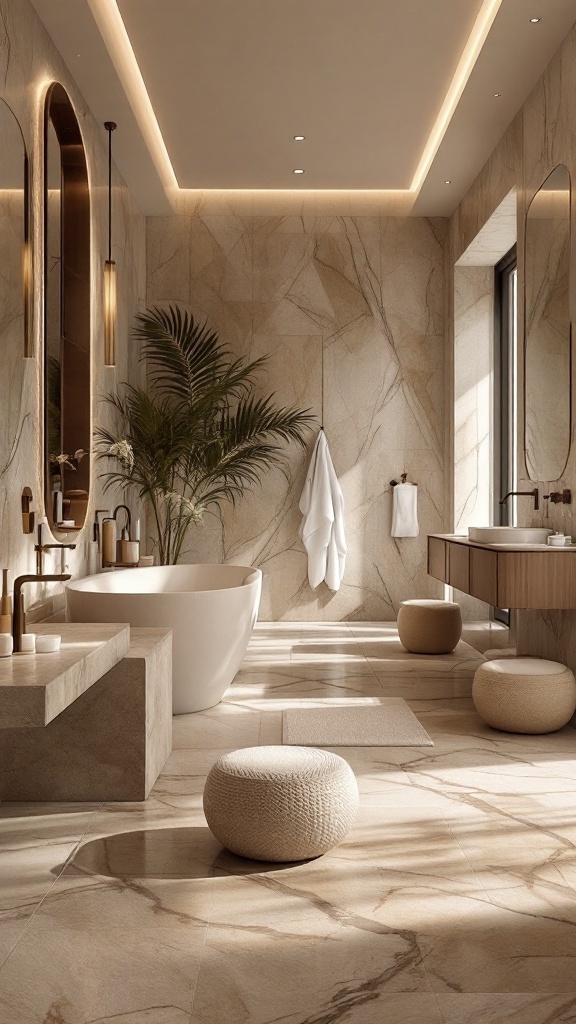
(390,723)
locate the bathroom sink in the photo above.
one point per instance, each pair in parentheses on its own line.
(508,534)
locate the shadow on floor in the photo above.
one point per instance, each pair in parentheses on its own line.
(163,853)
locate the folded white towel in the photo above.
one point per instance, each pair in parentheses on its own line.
(322,528)
(405,510)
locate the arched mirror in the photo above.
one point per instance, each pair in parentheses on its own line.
(66,316)
(15,340)
(548,349)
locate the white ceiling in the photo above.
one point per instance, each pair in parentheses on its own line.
(232,81)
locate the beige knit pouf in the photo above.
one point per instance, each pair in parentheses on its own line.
(528,695)
(429,627)
(280,803)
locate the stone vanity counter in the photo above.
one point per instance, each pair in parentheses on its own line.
(35,688)
(90,722)
(526,549)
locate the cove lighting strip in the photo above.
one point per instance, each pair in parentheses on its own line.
(470,54)
(113,31)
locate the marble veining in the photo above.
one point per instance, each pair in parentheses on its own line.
(29,61)
(351,312)
(451,900)
(540,138)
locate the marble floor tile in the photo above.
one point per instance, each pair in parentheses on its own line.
(486,635)
(73,976)
(451,901)
(35,843)
(296,953)
(506,1008)
(223,725)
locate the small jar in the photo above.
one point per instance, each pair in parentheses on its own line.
(28,643)
(6,645)
(47,643)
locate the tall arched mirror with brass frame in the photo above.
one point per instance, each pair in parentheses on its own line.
(548,330)
(66,316)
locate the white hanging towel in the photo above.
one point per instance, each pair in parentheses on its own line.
(322,528)
(405,510)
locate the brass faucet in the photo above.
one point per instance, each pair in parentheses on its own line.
(128,517)
(529,494)
(19,616)
(40,548)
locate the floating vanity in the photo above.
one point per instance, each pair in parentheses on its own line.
(505,575)
(92,721)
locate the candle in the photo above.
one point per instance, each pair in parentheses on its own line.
(28,644)
(5,645)
(136,530)
(47,643)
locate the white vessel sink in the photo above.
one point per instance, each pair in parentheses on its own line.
(508,534)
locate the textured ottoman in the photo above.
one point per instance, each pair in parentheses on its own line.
(429,627)
(280,803)
(528,695)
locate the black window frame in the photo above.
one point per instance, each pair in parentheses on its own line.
(504,376)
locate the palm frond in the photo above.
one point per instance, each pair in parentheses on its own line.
(197,435)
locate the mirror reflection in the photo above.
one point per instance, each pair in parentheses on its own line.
(14,241)
(67,316)
(548,330)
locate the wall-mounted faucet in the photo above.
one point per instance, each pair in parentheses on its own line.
(529,494)
(41,549)
(19,616)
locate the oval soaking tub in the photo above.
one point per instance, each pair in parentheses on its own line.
(210,608)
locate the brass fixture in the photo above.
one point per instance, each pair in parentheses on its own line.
(128,516)
(529,494)
(40,550)
(67,312)
(19,616)
(110,302)
(97,526)
(27,514)
(560,497)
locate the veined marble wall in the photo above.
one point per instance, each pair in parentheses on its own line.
(542,136)
(29,62)
(351,311)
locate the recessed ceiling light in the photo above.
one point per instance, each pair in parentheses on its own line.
(497,95)
(299,138)
(534,21)
(448,181)
(298,170)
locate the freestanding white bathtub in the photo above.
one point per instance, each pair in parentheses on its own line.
(210,608)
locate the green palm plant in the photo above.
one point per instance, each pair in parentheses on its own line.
(198,435)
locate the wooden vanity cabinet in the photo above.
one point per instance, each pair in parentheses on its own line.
(505,578)
(437,558)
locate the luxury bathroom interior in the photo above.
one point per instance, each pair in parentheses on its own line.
(287,728)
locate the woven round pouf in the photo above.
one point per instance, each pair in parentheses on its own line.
(528,695)
(280,803)
(429,627)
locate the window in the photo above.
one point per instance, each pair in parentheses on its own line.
(505,388)
(505,475)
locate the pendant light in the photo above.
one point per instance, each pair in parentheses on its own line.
(110,270)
